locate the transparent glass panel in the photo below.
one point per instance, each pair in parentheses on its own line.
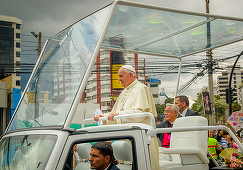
(55,83)
(132,31)
(168,33)
(26,152)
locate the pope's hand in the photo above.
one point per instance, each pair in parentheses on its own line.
(96,118)
(110,117)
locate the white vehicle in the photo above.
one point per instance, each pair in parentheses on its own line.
(48,122)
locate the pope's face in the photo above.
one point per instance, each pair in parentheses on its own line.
(125,78)
(97,160)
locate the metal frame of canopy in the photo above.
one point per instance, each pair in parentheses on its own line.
(128,3)
(208,18)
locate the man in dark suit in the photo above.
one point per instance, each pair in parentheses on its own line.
(182,102)
(101,157)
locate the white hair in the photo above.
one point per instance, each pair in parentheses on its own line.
(174,108)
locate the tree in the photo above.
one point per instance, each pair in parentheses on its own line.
(198,105)
(160,108)
(169,100)
(220,106)
(235,106)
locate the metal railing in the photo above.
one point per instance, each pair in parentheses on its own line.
(200,128)
(144,114)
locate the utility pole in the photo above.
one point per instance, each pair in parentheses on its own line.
(39,51)
(39,42)
(210,71)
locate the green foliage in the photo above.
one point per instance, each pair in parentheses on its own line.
(160,109)
(169,100)
(235,106)
(198,105)
(220,106)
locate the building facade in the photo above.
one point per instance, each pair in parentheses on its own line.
(10,65)
(153,84)
(103,86)
(223,82)
(10,50)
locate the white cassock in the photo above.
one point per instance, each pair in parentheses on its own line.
(137,98)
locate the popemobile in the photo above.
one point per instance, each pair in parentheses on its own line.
(58,104)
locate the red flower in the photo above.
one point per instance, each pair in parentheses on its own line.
(235,154)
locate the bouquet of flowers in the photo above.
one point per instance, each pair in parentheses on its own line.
(232,157)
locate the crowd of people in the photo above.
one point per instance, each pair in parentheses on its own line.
(219,141)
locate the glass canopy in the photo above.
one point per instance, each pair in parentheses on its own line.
(59,78)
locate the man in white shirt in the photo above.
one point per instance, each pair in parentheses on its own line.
(182,102)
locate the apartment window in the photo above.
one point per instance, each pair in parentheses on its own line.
(17,73)
(17,26)
(234,82)
(18,83)
(17,54)
(223,78)
(17,44)
(4,23)
(17,35)
(18,63)
(155,95)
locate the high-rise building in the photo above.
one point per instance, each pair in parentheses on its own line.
(9,67)
(103,86)
(223,82)
(10,50)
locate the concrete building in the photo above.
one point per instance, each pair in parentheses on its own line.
(153,84)
(162,95)
(9,65)
(223,82)
(103,86)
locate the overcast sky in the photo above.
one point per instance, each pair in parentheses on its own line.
(52,16)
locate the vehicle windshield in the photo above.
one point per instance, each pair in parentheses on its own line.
(55,83)
(26,152)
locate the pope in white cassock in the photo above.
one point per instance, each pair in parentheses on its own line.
(135,98)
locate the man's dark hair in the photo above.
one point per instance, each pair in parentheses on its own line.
(183,98)
(104,148)
(225,132)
